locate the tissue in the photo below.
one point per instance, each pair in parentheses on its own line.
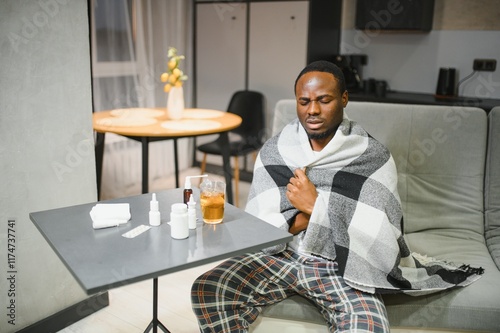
(109,215)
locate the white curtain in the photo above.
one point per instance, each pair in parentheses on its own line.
(130,39)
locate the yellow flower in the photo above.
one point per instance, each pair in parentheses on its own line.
(174,77)
(172,64)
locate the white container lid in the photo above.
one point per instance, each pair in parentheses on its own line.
(179,208)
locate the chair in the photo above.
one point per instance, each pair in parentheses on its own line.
(284,112)
(250,106)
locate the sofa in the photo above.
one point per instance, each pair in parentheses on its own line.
(448,161)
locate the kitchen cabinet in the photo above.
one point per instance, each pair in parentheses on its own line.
(256,45)
(220,53)
(278,49)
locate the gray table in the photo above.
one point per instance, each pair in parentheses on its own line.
(103,259)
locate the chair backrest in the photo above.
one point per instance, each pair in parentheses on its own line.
(250,106)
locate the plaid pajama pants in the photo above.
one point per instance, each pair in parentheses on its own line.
(229,297)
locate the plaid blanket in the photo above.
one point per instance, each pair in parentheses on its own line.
(357,218)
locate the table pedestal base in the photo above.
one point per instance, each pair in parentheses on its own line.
(155,323)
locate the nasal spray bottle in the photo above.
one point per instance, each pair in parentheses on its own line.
(188,190)
(154,213)
(191,212)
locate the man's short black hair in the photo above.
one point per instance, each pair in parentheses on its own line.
(327,67)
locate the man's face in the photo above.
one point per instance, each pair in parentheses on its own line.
(320,106)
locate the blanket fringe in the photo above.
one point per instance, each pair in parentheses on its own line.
(463,268)
(467,269)
(426,260)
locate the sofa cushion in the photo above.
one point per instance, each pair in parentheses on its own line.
(284,112)
(475,307)
(440,170)
(492,186)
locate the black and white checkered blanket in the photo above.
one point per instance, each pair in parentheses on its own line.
(357,218)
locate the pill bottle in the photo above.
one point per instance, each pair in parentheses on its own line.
(179,228)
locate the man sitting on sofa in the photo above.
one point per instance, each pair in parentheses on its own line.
(325,180)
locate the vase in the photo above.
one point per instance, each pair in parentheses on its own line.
(175,103)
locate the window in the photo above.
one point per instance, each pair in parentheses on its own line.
(114,60)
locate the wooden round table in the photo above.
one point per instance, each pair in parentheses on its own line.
(151,124)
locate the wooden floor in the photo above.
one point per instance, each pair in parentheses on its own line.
(131,307)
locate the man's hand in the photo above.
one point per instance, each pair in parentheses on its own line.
(301,192)
(300,223)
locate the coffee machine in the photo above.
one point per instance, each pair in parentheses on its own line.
(352,67)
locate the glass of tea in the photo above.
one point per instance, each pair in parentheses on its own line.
(212,200)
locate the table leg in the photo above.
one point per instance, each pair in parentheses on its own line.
(155,323)
(176,164)
(99,156)
(226,166)
(145,164)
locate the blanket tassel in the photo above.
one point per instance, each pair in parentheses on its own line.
(468,270)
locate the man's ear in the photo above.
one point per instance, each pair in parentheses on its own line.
(345,98)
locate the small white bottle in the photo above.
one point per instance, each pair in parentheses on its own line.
(154,213)
(191,213)
(179,228)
